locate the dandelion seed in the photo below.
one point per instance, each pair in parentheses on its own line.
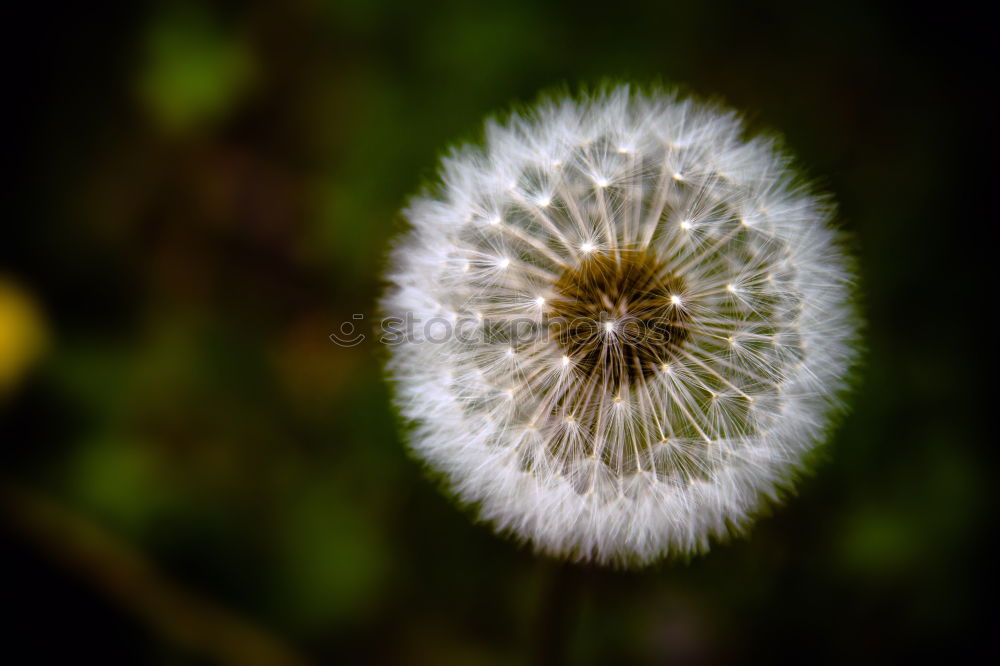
(709,326)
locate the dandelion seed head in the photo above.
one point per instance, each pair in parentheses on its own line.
(694,325)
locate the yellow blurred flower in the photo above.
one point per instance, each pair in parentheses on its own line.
(22,333)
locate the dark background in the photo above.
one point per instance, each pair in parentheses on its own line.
(192,473)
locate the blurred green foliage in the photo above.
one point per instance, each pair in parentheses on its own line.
(214,189)
(194,73)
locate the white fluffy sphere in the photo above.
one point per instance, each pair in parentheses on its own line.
(625,325)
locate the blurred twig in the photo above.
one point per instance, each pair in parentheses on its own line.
(136,584)
(560,595)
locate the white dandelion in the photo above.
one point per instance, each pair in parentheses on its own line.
(659,325)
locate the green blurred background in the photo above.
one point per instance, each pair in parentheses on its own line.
(192,473)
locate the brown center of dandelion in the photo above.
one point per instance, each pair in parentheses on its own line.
(620,316)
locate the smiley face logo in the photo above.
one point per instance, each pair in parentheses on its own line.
(347,336)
